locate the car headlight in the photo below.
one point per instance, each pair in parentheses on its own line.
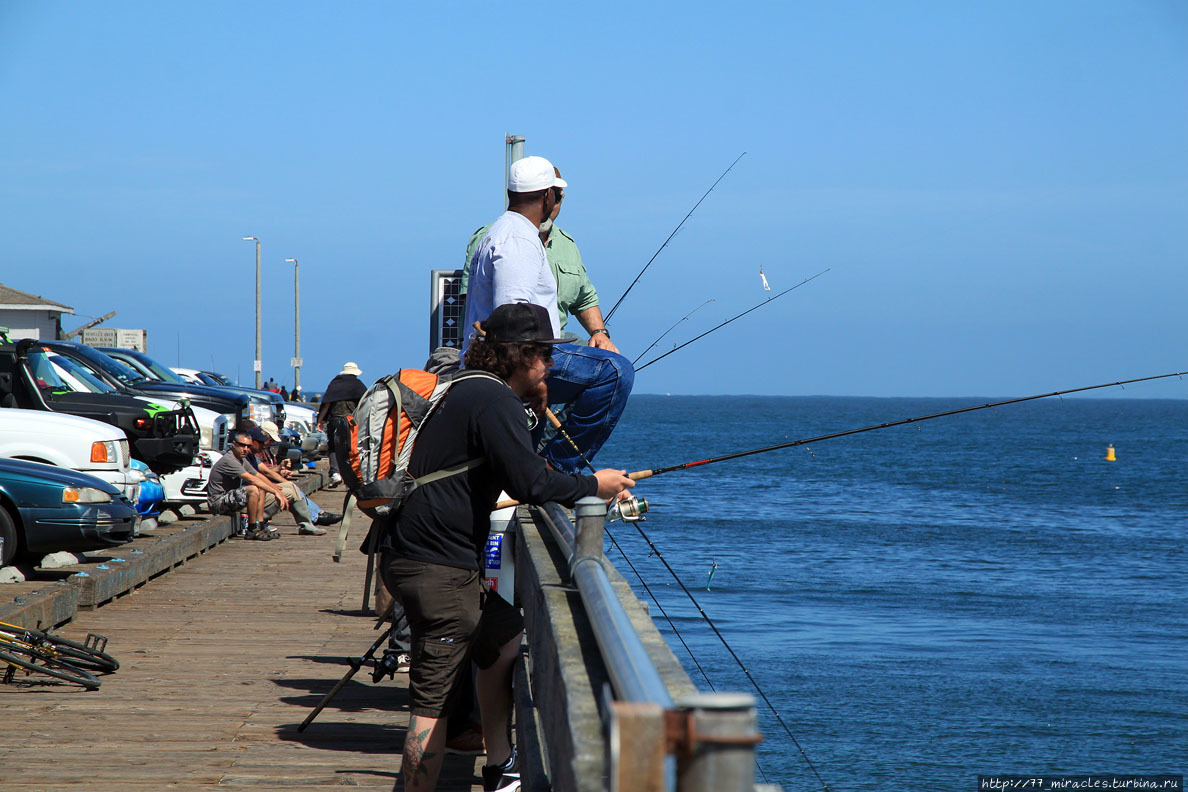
(104,451)
(260,413)
(206,437)
(84,495)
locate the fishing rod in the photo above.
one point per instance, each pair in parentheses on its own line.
(643,474)
(728,321)
(640,475)
(670,236)
(669,330)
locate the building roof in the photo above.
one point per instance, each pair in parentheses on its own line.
(14,299)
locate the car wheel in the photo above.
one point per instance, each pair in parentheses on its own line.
(8,533)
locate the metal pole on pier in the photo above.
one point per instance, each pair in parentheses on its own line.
(296,327)
(258,363)
(513,150)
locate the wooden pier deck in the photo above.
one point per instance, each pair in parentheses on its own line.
(221,659)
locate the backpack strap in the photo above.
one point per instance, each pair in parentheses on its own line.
(436,475)
(469,464)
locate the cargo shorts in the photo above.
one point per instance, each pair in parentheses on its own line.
(235,500)
(452,620)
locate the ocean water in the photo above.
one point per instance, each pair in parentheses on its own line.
(977,594)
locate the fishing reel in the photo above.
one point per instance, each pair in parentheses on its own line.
(627,508)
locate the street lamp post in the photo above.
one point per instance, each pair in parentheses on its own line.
(296,326)
(258,365)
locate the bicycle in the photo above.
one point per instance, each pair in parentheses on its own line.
(36,651)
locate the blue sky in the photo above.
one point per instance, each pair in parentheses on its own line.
(1000,188)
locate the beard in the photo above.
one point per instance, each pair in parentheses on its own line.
(546,227)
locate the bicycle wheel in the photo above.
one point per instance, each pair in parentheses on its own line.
(33,661)
(73,652)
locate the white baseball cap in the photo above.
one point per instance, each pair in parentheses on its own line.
(531,174)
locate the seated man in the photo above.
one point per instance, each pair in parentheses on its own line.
(277,486)
(236,486)
(525,257)
(268,456)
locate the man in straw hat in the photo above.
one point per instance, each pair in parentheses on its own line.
(340,399)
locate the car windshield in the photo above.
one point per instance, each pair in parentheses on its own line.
(209,380)
(102,364)
(82,374)
(163,373)
(151,368)
(219,379)
(43,372)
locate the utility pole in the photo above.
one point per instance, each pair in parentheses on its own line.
(258,364)
(296,325)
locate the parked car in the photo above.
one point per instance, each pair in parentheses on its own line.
(131,382)
(164,439)
(187,485)
(44,509)
(69,441)
(152,494)
(266,406)
(213,427)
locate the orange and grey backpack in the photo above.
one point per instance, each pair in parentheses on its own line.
(375,444)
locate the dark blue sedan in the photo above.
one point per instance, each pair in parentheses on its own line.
(44,509)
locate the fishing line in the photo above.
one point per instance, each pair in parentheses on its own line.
(643,474)
(731,319)
(656,551)
(670,236)
(669,330)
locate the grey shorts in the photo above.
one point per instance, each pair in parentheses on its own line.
(235,500)
(229,502)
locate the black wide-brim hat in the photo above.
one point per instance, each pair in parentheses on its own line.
(521,322)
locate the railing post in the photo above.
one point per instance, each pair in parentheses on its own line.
(591,526)
(716,735)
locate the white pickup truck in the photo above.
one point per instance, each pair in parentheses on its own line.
(68,441)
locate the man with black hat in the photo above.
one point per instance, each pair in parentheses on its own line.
(433,549)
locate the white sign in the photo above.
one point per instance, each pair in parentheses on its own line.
(257,366)
(296,362)
(116,337)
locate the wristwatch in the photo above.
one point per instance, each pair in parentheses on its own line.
(600,330)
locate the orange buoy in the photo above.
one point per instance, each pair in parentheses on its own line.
(1110,454)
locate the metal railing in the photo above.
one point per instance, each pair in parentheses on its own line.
(700,742)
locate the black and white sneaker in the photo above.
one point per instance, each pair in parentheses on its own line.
(504,777)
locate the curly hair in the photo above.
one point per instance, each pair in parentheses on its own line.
(502,360)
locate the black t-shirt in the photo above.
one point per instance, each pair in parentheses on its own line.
(446,521)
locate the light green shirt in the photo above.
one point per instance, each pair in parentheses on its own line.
(575,292)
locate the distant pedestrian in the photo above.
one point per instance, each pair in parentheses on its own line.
(284,393)
(340,399)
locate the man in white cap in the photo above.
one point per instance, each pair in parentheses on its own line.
(509,262)
(340,399)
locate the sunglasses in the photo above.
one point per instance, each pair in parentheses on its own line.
(544,351)
(243,445)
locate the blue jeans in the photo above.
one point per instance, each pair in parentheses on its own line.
(588,389)
(315,510)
